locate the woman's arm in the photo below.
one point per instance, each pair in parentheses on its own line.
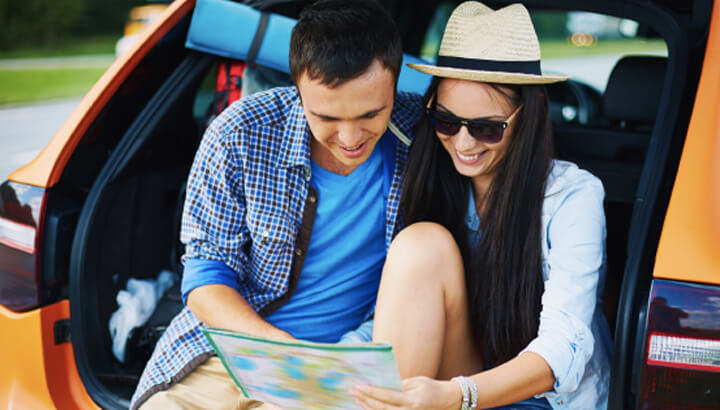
(517,379)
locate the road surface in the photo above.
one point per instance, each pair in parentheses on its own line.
(26,129)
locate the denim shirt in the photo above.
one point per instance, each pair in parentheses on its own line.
(573,336)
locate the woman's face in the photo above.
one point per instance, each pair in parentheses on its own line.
(471,100)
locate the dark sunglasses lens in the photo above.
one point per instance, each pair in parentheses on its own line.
(491,133)
(445,126)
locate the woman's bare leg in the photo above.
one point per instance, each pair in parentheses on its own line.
(422,305)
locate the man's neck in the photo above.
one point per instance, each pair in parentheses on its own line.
(326,160)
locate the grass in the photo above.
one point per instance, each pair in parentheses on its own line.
(20,86)
(71,47)
(562,48)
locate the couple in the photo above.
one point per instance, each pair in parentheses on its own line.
(490,293)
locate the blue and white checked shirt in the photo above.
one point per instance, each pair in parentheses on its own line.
(245,203)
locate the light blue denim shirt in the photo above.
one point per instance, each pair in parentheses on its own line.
(573,336)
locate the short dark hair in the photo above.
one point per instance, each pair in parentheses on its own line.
(337,40)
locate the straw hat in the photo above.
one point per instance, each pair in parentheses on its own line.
(494,46)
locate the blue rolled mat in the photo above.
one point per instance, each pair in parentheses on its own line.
(227,29)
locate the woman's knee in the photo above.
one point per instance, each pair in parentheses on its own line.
(425,238)
(424,246)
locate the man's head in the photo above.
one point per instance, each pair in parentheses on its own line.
(337,40)
(345,57)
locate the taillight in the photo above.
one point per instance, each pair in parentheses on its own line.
(682,361)
(21,208)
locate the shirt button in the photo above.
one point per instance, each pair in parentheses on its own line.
(312,198)
(560,402)
(298,252)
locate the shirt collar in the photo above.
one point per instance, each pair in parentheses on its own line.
(296,137)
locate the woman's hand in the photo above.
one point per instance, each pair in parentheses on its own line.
(419,393)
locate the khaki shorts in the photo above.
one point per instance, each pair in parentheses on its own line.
(207,387)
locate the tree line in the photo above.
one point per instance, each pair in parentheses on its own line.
(48,22)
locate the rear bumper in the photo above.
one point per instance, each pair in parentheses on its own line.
(37,373)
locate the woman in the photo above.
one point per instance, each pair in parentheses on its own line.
(499,274)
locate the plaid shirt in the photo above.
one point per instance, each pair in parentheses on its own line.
(245,204)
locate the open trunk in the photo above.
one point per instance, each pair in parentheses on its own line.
(142,146)
(129,228)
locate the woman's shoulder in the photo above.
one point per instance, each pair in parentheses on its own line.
(567,180)
(567,176)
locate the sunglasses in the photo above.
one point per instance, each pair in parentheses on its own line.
(486,131)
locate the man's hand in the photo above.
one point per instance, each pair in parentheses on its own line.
(419,393)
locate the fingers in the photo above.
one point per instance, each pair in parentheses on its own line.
(369,403)
(377,397)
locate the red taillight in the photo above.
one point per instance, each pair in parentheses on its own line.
(21,209)
(682,362)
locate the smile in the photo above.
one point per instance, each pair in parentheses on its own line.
(354,151)
(468,158)
(355,148)
(471,159)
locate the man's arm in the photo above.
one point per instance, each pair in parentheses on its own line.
(212,229)
(209,289)
(206,301)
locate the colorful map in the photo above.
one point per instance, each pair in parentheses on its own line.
(303,375)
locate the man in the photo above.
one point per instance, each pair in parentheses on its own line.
(291,204)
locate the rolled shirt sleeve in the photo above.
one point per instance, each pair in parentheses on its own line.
(214,212)
(575,260)
(201,272)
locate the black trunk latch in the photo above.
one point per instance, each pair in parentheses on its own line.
(62,331)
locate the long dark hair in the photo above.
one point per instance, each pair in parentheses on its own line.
(504,271)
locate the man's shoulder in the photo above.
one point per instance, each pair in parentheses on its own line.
(406,111)
(266,108)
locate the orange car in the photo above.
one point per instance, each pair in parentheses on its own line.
(101,203)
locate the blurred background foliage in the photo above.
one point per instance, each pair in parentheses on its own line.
(48,23)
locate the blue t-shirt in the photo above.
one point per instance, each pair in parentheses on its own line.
(341,273)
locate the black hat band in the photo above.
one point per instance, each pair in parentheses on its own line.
(521,67)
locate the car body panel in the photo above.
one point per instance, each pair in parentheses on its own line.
(688,249)
(37,372)
(45,170)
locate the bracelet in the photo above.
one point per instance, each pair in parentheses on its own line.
(465,391)
(473,393)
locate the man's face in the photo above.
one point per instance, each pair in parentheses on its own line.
(347,121)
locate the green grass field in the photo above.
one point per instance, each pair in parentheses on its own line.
(74,47)
(36,83)
(20,86)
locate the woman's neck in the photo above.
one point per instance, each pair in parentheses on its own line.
(480,186)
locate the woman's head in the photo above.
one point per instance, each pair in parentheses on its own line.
(485,127)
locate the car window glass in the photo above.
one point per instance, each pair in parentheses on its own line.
(584,45)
